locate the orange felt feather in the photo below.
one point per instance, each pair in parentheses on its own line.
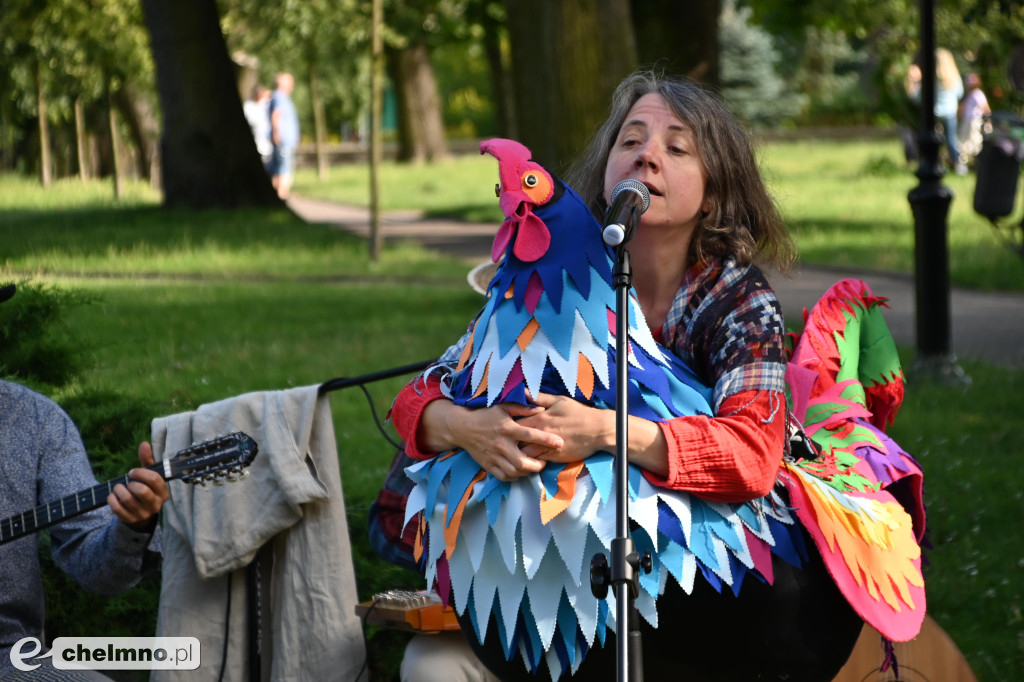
(526,336)
(483,381)
(550,507)
(451,531)
(585,376)
(417,548)
(467,351)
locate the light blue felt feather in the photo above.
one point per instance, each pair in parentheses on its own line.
(463,469)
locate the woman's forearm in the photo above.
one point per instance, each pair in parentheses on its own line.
(648,448)
(438,427)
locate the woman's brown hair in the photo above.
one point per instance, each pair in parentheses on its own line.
(743,220)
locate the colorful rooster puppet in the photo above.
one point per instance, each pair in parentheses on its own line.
(520,551)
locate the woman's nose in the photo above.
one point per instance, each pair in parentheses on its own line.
(646,156)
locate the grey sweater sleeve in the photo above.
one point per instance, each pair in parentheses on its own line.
(96,549)
(42,460)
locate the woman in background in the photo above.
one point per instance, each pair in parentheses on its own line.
(949,88)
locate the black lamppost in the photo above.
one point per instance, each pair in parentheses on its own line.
(930,202)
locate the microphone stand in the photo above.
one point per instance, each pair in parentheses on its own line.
(622,572)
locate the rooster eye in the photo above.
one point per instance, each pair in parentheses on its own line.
(530,180)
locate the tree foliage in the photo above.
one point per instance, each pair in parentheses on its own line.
(510,68)
(321,42)
(982,34)
(36,344)
(656,25)
(750,84)
(70,44)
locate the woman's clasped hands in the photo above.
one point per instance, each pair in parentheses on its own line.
(509,440)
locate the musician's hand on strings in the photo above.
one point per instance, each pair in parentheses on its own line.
(138,503)
(491,435)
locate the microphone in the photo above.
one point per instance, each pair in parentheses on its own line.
(630,198)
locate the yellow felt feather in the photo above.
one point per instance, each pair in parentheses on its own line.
(874,537)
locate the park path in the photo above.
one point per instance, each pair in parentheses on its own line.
(985,326)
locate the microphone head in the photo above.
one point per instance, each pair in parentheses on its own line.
(632,185)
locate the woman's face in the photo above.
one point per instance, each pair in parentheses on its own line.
(656,148)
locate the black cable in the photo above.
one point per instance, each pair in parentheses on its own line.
(343,382)
(366,659)
(227,632)
(361,381)
(376,419)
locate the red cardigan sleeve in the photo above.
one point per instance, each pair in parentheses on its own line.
(733,457)
(407,411)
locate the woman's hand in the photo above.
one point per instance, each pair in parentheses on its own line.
(583,429)
(491,435)
(586,430)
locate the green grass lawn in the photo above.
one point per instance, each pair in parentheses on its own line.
(196,306)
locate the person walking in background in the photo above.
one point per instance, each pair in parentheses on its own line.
(973,109)
(949,88)
(258,115)
(284,134)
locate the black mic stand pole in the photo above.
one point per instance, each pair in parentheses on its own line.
(622,572)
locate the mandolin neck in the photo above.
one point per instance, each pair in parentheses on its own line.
(46,515)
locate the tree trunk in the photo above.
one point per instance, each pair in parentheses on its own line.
(376,97)
(6,138)
(319,126)
(80,146)
(680,37)
(567,57)
(44,129)
(138,112)
(115,145)
(207,154)
(501,82)
(420,126)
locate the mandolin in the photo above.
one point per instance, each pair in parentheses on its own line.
(221,457)
(930,657)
